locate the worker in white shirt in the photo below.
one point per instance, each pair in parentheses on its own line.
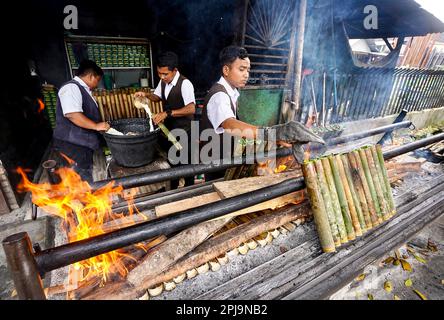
(179,104)
(219,111)
(78,119)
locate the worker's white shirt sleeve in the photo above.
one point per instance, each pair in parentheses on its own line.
(219,110)
(158,90)
(70,98)
(188,92)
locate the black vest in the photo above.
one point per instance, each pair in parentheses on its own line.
(205,122)
(67,131)
(173,102)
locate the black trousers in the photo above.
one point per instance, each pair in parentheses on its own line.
(82,157)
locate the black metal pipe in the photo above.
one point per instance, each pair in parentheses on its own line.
(189,170)
(67,254)
(369,133)
(195,169)
(388,134)
(153,200)
(413,146)
(23,267)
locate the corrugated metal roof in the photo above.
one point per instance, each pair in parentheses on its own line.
(397,18)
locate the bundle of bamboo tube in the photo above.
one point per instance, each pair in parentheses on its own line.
(349,194)
(119,104)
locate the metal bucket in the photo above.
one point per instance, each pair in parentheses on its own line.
(132,150)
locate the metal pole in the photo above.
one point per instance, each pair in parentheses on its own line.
(299,57)
(413,146)
(23,267)
(372,132)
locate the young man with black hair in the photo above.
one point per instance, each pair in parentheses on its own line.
(179,104)
(220,110)
(78,119)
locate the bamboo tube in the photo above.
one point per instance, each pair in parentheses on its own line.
(342,199)
(122,105)
(118,106)
(354,193)
(359,186)
(328,203)
(131,107)
(128,106)
(318,207)
(380,157)
(100,104)
(377,183)
(109,106)
(348,196)
(371,186)
(384,189)
(335,201)
(365,186)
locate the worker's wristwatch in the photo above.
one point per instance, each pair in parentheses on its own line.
(169,113)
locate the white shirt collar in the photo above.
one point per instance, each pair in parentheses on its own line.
(82,83)
(175,79)
(233,93)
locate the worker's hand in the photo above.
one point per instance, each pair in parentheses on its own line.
(140,94)
(160,117)
(102,126)
(293,133)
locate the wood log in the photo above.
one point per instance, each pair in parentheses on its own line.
(173,249)
(208,250)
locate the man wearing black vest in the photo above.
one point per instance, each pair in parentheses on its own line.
(219,111)
(177,95)
(78,119)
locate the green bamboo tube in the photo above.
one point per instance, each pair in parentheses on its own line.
(366,189)
(390,199)
(371,186)
(334,200)
(342,199)
(318,207)
(322,182)
(349,196)
(379,191)
(354,192)
(359,186)
(381,180)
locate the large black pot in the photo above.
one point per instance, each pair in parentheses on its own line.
(132,150)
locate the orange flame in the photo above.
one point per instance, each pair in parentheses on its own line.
(41,106)
(85,214)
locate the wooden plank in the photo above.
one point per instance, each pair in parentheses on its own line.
(228,189)
(185,204)
(4,209)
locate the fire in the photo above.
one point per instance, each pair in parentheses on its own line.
(85,213)
(41,106)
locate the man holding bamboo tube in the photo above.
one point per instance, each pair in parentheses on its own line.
(78,120)
(179,104)
(219,113)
